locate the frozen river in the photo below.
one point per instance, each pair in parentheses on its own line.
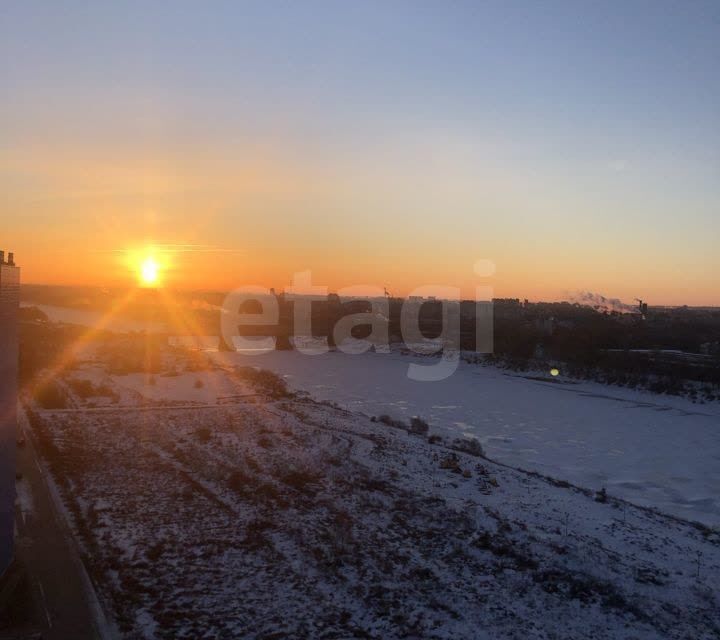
(653,450)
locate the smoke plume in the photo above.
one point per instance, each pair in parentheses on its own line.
(601,303)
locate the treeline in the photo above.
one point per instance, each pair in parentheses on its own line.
(662,353)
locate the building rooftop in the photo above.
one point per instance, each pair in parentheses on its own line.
(10,261)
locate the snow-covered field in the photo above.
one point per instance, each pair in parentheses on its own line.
(654,450)
(208,514)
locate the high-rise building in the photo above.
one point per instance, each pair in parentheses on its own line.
(9,303)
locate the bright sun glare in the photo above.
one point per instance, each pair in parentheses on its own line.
(149,271)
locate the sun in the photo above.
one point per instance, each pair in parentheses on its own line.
(149,271)
(148,265)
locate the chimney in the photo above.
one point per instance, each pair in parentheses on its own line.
(11,259)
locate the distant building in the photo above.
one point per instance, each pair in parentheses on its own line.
(507,308)
(9,303)
(546,325)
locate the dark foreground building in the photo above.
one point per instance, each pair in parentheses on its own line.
(9,302)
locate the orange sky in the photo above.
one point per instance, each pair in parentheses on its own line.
(259,219)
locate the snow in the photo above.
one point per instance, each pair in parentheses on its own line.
(203,387)
(340,527)
(654,450)
(212,514)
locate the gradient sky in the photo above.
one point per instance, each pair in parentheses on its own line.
(576,144)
